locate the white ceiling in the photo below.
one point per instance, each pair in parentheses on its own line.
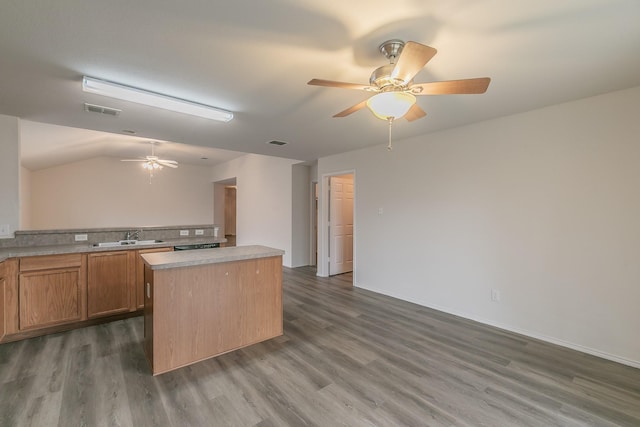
(45,145)
(255,58)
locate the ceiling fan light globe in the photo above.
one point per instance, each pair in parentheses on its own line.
(391,104)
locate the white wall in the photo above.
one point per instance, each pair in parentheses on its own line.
(264,200)
(105,192)
(313,172)
(543,206)
(25,198)
(218,208)
(9,173)
(300,216)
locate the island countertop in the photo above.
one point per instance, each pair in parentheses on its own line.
(164,260)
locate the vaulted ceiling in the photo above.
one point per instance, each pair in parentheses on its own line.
(256,57)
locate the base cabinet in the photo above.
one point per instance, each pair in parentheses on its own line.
(2,300)
(201,311)
(51,290)
(109,282)
(44,294)
(140,284)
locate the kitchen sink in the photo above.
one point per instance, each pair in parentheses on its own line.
(147,242)
(126,243)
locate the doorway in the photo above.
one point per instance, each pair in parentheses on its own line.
(225,209)
(340,224)
(230,194)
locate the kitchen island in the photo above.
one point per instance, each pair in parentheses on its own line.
(203,303)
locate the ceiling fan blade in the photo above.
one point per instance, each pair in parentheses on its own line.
(415,113)
(452,87)
(341,85)
(171,164)
(353,109)
(167,161)
(133,160)
(413,58)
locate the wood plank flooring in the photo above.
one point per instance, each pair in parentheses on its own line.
(348,357)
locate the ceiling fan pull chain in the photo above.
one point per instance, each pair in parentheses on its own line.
(389,147)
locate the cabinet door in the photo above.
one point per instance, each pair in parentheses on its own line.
(140,283)
(261,308)
(2,310)
(109,283)
(148,313)
(50,297)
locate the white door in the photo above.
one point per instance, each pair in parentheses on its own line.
(340,224)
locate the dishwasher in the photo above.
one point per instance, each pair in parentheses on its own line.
(196,246)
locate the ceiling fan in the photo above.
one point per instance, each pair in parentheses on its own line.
(393,87)
(153,162)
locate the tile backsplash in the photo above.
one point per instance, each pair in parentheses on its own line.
(95,235)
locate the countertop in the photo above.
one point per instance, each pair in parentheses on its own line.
(12,252)
(164,260)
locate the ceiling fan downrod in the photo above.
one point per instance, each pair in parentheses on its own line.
(391,49)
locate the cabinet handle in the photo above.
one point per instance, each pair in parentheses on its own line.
(148,290)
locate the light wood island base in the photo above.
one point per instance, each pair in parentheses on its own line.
(203,303)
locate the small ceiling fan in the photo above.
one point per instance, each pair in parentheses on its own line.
(393,87)
(152,162)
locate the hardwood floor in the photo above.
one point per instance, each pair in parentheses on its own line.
(349,357)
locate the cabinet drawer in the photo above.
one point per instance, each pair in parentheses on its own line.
(47,262)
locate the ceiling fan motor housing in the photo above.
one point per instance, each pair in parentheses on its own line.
(381,78)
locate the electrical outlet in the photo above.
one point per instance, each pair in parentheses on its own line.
(199,232)
(495,295)
(81,237)
(380,211)
(184,232)
(4,230)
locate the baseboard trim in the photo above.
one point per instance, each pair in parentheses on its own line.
(542,337)
(538,336)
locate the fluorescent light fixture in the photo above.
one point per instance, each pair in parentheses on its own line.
(132,94)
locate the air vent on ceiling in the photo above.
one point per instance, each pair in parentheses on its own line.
(92,108)
(277,143)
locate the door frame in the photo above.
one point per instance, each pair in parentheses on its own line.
(314,209)
(322,268)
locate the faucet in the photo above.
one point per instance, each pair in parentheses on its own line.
(132,235)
